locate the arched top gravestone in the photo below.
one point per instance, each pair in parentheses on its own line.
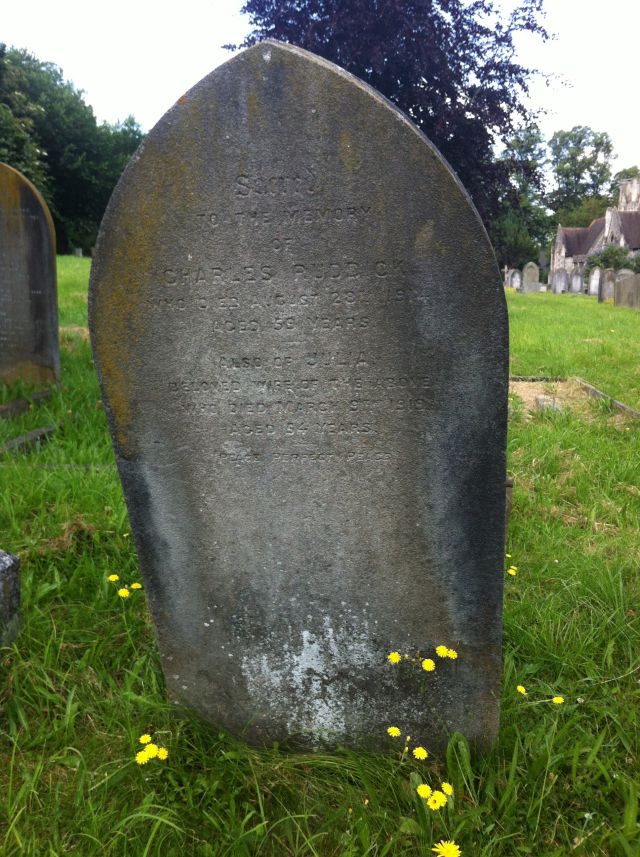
(28,306)
(301,336)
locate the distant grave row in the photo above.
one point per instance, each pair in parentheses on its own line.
(622,287)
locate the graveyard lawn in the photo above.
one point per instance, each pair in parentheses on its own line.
(82,682)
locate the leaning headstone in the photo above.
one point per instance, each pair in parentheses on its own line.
(515,279)
(627,291)
(9,597)
(594,281)
(28,307)
(301,336)
(560,281)
(577,284)
(531,277)
(607,283)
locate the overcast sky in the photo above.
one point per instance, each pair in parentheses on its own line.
(139,57)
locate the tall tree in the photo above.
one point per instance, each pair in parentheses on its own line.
(449,64)
(48,132)
(580,160)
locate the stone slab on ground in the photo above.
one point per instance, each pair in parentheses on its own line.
(9,597)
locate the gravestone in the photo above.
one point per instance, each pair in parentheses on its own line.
(28,307)
(9,597)
(531,277)
(607,282)
(627,291)
(594,281)
(577,284)
(515,279)
(560,281)
(301,337)
(623,273)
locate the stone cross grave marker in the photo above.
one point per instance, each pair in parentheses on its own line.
(301,336)
(28,307)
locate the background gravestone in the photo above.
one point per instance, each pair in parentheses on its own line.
(577,284)
(531,277)
(594,281)
(627,291)
(301,336)
(606,284)
(515,279)
(28,307)
(560,281)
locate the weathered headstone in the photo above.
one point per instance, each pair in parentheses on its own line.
(577,284)
(627,291)
(560,281)
(301,336)
(531,277)
(594,281)
(623,273)
(515,279)
(28,307)
(607,282)
(9,597)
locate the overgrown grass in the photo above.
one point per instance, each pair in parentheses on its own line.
(83,679)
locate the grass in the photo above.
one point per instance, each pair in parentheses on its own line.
(83,679)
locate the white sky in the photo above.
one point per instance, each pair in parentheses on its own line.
(138,57)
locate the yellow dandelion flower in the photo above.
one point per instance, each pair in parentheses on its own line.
(136,586)
(424,791)
(142,757)
(521,689)
(144,739)
(512,571)
(394,657)
(447,788)
(558,700)
(393,731)
(441,651)
(508,555)
(419,753)
(113,578)
(451,653)
(446,848)
(124,592)
(428,665)
(151,750)
(163,754)
(437,801)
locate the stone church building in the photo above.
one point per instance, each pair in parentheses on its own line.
(620,226)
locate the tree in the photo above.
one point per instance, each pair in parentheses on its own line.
(448,64)
(586,212)
(581,163)
(523,226)
(49,133)
(613,257)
